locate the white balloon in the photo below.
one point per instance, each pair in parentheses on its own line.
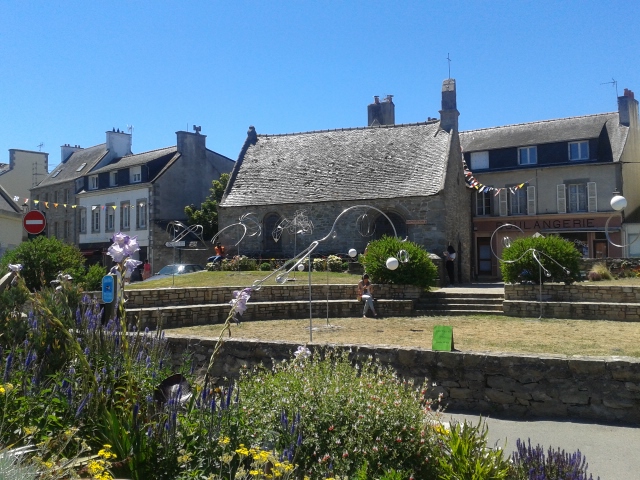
(392,263)
(353,252)
(618,203)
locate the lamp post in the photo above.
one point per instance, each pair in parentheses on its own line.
(618,203)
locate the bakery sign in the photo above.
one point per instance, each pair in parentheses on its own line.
(416,222)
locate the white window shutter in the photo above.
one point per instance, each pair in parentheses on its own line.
(502,197)
(531,200)
(593,197)
(562,198)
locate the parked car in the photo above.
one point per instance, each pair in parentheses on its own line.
(176,269)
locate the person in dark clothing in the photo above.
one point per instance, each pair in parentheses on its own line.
(450,256)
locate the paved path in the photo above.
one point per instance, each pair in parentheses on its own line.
(612,453)
(495,287)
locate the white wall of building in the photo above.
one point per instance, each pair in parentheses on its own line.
(103,200)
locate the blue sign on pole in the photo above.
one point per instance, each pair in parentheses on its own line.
(108,289)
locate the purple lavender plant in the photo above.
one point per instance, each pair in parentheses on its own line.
(556,465)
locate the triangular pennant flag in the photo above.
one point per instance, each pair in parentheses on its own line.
(93,207)
(26,200)
(46,204)
(64,205)
(55,205)
(497,192)
(74,206)
(521,185)
(16,198)
(36,201)
(113,206)
(102,207)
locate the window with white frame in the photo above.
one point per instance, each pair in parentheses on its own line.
(528,155)
(79,184)
(93,182)
(479,161)
(125,215)
(95,218)
(577,197)
(83,220)
(141,214)
(113,179)
(517,202)
(110,217)
(483,203)
(578,151)
(135,174)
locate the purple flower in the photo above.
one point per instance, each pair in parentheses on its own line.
(240,298)
(131,245)
(130,264)
(120,239)
(116,252)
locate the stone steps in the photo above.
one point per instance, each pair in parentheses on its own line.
(459,303)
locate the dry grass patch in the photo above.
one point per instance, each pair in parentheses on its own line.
(474,333)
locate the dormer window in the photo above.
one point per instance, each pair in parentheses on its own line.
(578,151)
(113,179)
(93,182)
(527,155)
(479,160)
(135,174)
(79,169)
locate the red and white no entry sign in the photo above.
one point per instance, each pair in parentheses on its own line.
(34,222)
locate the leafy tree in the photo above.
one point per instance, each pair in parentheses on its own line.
(555,253)
(207,215)
(419,270)
(42,259)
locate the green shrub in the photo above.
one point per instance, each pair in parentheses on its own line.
(555,254)
(419,270)
(465,454)
(43,259)
(92,280)
(319,264)
(347,415)
(265,266)
(239,263)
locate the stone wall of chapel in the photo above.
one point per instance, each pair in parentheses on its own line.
(430,235)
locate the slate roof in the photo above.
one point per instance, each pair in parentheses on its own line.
(69,169)
(138,159)
(548,131)
(7,203)
(350,164)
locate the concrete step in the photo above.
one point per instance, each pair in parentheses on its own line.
(458,306)
(461,301)
(453,312)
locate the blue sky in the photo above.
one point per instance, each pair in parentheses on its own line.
(72,70)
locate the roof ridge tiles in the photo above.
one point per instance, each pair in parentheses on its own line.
(150,151)
(537,121)
(428,122)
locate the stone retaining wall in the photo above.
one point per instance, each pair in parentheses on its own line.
(192,315)
(160,297)
(605,389)
(578,301)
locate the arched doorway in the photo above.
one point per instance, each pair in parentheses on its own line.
(383,227)
(269,245)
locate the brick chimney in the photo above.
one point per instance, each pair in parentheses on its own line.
(449,113)
(628,109)
(381,113)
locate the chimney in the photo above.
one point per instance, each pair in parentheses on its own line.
(118,143)
(449,113)
(66,150)
(628,109)
(381,113)
(192,145)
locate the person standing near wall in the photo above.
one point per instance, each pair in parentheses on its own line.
(450,256)
(146,269)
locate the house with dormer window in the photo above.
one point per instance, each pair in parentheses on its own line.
(140,194)
(556,177)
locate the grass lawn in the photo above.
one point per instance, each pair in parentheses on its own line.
(471,333)
(241,279)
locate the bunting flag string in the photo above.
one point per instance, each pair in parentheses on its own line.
(472,182)
(48,204)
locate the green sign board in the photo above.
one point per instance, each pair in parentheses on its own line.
(442,338)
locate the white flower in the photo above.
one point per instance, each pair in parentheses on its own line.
(302,352)
(15,268)
(131,245)
(120,238)
(130,264)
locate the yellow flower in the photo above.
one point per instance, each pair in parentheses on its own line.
(255,473)
(224,440)
(2,390)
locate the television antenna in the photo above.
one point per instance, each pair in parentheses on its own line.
(449,60)
(40,145)
(613,82)
(130,129)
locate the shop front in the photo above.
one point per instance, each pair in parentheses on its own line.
(586,232)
